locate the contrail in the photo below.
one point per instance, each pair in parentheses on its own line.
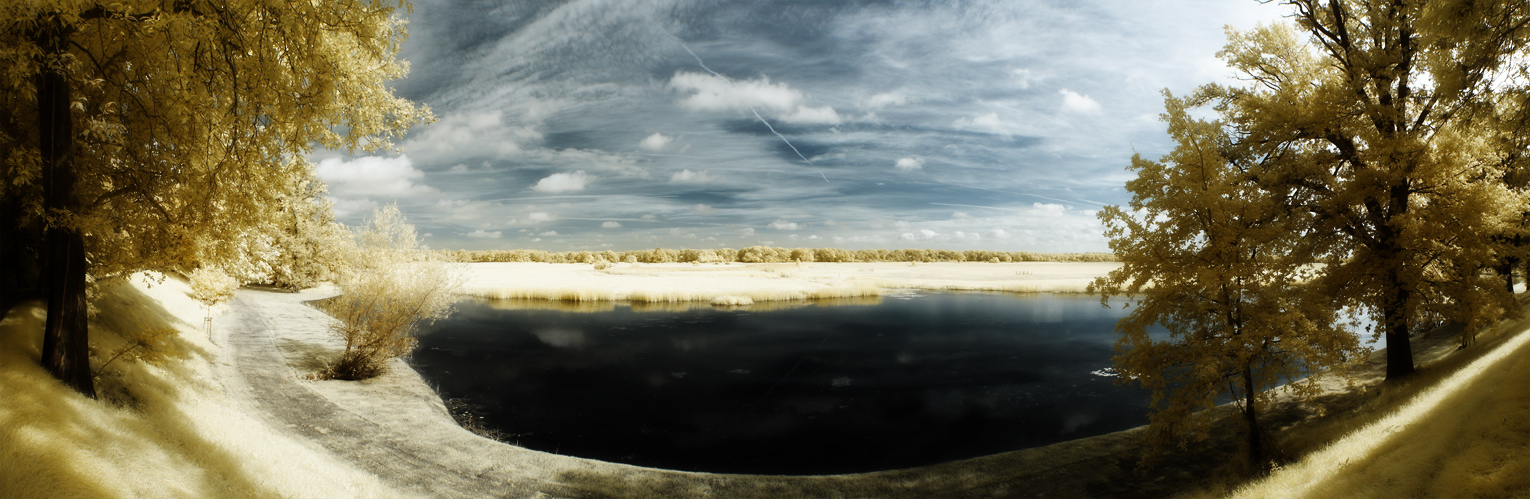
(703,65)
(783,139)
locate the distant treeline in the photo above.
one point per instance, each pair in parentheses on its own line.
(767,254)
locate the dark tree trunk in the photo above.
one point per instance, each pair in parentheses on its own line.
(1506,269)
(1394,316)
(1251,419)
(66,342)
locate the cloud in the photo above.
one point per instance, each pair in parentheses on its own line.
(372,176)
(1023,77)
(655,142)
(610,225)
(549,233)
(347,208)
(467,134)
(746,231)
(910,164)
(1078,103)
(702,209)
(987,122)
(690,177)
(782,225)
(804,115)
(483,234)
(539,216)
(562,182)
(882,100)
(716,93)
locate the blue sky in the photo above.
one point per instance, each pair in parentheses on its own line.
(623,124)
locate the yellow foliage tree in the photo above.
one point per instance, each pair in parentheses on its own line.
(1373,125)
(1212,257)
(159,134)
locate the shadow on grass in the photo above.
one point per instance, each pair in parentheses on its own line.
(54,442)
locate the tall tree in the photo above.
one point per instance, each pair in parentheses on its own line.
(1212,257)
(165,130)
(1367,124)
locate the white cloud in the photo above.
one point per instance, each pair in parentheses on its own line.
(1078,103)
(910,164)
(562,182)
(465,135)
(549,233)
(483,234)
(812,116)
(716,93)
(690,177)
(346,208)
(539,216)
(987,122)
(655,142)
(372,176)
(648,216)
(746,231)
(782,225)
(702,209)
(610,225)
(882,100)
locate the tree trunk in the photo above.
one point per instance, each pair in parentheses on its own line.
(1506,269)
(1394,317)
(1251,419)
(66,341)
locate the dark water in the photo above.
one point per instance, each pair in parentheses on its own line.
(894,383)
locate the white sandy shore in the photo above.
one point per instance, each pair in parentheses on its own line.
(736,284)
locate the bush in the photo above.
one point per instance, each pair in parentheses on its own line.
(379,311)
(392,290)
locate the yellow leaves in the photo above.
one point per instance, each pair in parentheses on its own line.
(188,120)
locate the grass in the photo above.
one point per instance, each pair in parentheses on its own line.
(161,429)
(1459,429)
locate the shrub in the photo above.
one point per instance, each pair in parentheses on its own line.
(211,285)
(379,311)
(392,290)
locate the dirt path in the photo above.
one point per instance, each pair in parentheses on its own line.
(396,427)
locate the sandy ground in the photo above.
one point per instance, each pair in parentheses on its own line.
(681,282)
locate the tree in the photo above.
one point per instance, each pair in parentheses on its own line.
(1213,258)
(155,134)
(1370,127)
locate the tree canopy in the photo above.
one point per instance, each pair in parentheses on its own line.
(158,134)
(1374,117)
(1213,259)
(1370,161)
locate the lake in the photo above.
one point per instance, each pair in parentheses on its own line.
(834,387)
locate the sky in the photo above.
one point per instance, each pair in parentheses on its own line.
(627,124)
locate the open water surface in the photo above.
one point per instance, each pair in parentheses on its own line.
(895,382)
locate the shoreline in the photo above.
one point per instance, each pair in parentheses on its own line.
(743,284)
(394,436)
